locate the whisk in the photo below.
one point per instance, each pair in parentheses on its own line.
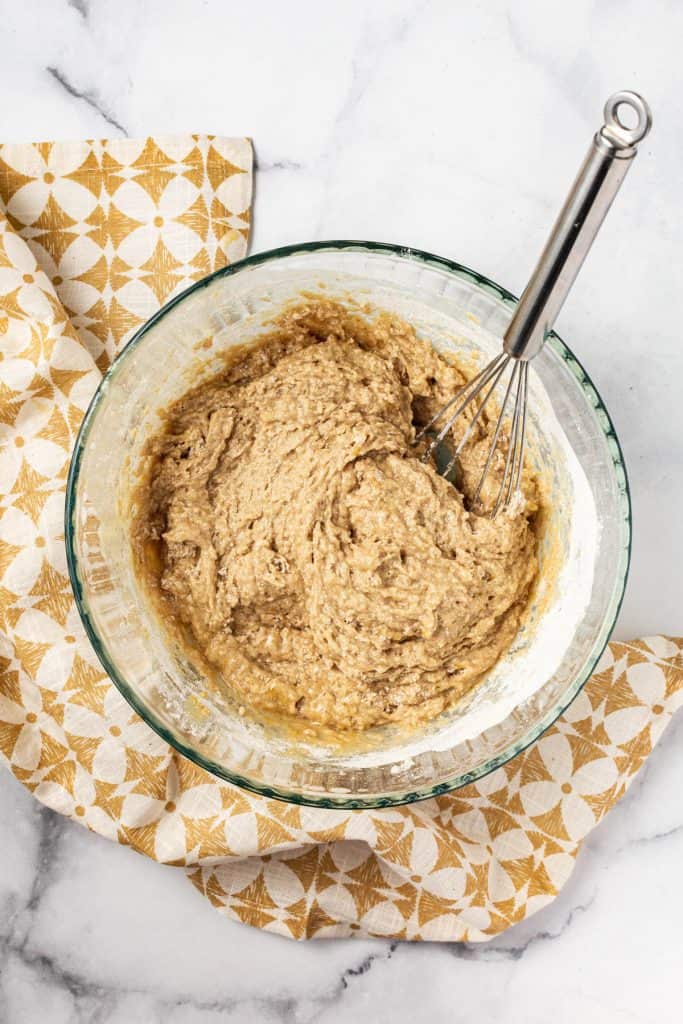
(610,155)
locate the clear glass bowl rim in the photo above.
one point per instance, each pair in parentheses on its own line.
(558,346)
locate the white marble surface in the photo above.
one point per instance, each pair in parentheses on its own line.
(455,128)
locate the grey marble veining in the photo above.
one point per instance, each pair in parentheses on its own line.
(455,128)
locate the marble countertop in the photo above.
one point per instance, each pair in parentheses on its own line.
(454,128)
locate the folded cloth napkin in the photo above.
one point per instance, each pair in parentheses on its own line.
(94,236)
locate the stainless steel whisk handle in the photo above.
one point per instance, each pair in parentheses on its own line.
(598,181)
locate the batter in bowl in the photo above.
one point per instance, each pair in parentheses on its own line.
(313,559)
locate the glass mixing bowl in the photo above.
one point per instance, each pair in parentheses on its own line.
(584,552)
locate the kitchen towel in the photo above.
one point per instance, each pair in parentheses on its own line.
(94,236)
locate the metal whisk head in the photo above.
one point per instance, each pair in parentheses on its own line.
(484,384)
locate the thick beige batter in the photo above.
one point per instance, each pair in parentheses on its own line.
(320,566)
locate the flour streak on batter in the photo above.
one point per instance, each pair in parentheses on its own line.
(319,565)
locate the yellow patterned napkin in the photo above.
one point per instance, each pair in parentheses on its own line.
(94,236)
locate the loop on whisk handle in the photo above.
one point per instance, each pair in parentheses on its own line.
(614,129)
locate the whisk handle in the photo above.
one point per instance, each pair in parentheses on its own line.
(610,155)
